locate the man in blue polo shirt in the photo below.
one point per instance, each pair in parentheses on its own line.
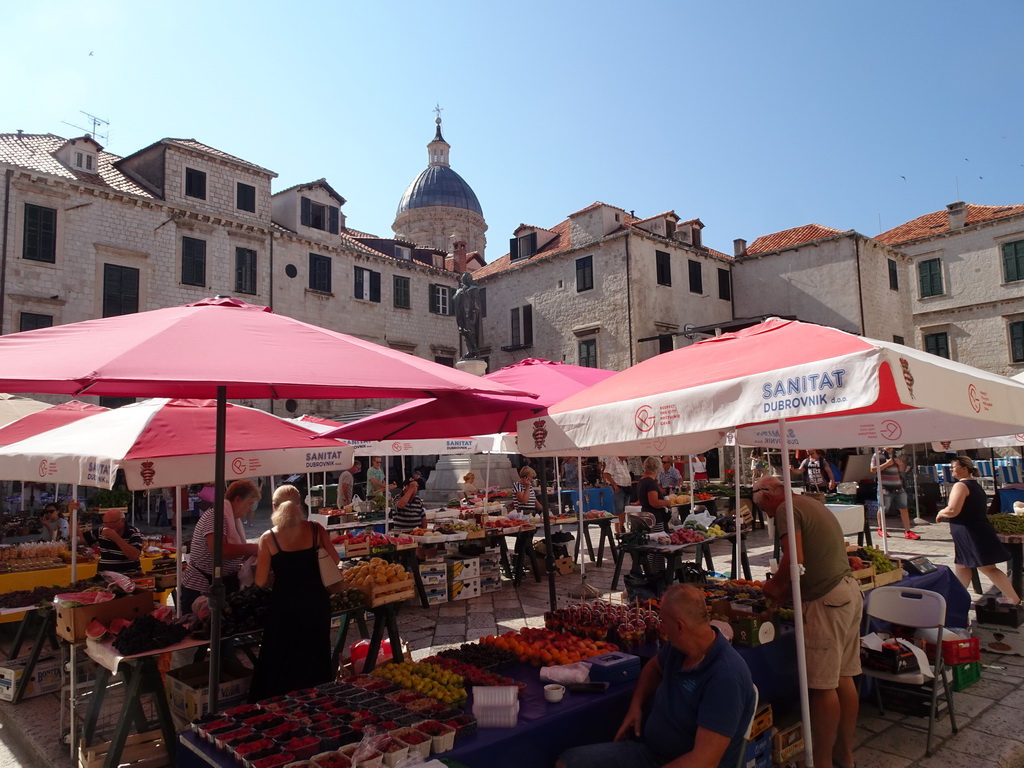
(700,693)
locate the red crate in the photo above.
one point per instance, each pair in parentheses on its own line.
(957,651)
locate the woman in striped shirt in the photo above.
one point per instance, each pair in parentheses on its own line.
(408,512)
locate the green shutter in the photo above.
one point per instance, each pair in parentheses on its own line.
(513,249)
(375,286)
(432,298)
(528,324)
(307,212)
(332,219)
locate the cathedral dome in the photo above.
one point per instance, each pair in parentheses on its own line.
(439,185)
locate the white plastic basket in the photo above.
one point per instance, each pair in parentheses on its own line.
(496,706)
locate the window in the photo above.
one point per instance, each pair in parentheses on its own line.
(1016,341)
(724,284)
(319,273)
(120,290)
(696,278)
(319,216)
(30,321)
(929,273)
(40,234)
(937,344)
(245,197)
(245,270)
(894,275)
(367,284)
(522,247)
(1013,261)
(584,274)
(899,339)
(439,299)
(402,292)
(665,344)
(483,302)
(663,267)
(193,261)
(84,160)
(587,350)
(443,360)
(403,253)
(195,184)
(521,327)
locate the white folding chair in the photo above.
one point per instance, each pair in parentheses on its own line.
(921,609)
(742,761)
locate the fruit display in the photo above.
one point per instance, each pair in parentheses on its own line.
(750,594)
(429,679)
(244,611)
(546,647)
(715,530)
(686,536)
(347,600)
(148,633)
(500,523)
(677,499)
(481,656)
(1011,524)
(872,556)
(472,675)
(26,598)
(373,572)
(596,514)
(625,625)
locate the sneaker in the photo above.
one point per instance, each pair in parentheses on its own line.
(921,521)
(910,535)
(882,533)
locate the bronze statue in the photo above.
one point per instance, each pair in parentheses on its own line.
(467,314)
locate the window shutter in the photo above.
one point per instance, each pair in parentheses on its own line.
(358,290)
(533,243)
(432,298)
(513,249)
(307,212)
(332,220)
(528,324)
(375,286)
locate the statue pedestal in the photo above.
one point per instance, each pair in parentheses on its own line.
(445,481)
(475,367)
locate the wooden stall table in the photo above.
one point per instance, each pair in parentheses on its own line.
(673,554)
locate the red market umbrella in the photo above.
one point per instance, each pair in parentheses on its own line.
(47,419)
(221,348)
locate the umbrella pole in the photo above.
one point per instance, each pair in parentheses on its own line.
(917,497)
(549,556)
(798,615)
(217,586)
(739,517)
(73,538)
(693,487)
(880,496)
(177,550)
(487,480)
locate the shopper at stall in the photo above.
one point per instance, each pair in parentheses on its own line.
(296,648)
(832,606)
(55,527)
(376,482)
(891,467)
(408,512)
(816,472)
(570,473)
(239,498)
(616,474)
(469,489)
(698,470)
(120,544)
(758,465)
(347,483)
(524,492)
(668,475)
(697,692)
(651,496)
(975,542)
(283,493)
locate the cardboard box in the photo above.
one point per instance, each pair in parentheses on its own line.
(188,688)
(433,573)
(460,569)
(1000,639)
(787,742)
(45,677)
(464,589)
(762,722)
(72,622)
(436,594)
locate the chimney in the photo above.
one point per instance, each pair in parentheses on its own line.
(459,250)
(739,247)
(957,215)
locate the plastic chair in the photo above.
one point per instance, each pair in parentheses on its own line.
(742,761)
(921,609)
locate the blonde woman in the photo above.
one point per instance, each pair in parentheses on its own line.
(469,489)
(296,648)
(526,496)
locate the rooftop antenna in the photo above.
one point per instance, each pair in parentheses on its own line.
(96,123)
(957,187)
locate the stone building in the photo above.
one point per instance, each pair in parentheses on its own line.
(603,288)
(86,233)
(823,275)
(968,292)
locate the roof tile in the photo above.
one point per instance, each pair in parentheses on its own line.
(790,238)
(937,223)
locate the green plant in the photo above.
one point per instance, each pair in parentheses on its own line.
(102,499)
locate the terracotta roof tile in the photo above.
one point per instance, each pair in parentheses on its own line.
(790,238)
(937,223)
(657,216)
(198,146)
(36,152)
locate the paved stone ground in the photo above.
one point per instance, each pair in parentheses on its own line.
(988,713)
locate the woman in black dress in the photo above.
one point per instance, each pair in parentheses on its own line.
(296,648)
(651,498)
(975,542)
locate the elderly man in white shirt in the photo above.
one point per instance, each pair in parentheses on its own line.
(616,474)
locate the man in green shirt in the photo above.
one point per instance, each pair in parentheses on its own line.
(832,606)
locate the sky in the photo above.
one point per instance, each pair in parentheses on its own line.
(752,116)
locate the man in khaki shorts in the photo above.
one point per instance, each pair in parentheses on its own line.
(832,613)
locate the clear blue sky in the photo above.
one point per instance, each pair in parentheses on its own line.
(752,116)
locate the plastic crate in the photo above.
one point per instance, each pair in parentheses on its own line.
(496,706)
(956,652)
(965,675)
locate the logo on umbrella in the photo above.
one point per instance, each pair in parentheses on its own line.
(44,467)
(540,433)
(644,418)
(972,396)
(891,430)
(396,447)
(945,444)
(147,472)
(907,375)
(238,465)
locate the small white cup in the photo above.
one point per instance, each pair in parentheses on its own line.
(554,692)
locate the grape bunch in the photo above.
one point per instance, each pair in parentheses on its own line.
(686,536)
(1007,523)
(147,633)
(879,559)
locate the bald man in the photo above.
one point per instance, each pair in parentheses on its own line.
(120,544)
(700,695)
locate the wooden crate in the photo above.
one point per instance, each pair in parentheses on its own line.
(389,593)
(359,549)
(865,577)
(889,577)
(141,750)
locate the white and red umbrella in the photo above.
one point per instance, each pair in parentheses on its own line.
(46,419)
(13,407)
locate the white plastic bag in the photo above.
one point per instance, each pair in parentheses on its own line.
(704,518)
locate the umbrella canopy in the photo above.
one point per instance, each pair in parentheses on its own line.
(831,387)
(47,419)
(456,414)
(421,447)
(163,443)
(190,351)
(13,407)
